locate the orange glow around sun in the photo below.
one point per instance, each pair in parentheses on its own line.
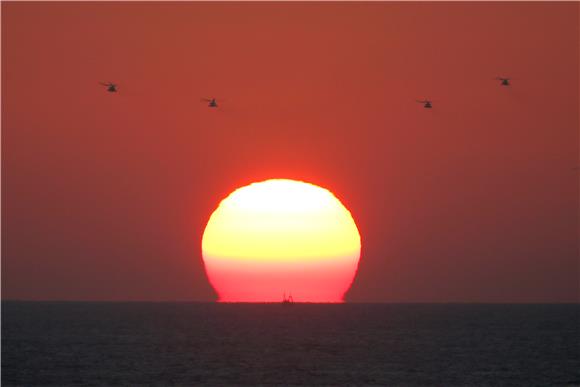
(281,237)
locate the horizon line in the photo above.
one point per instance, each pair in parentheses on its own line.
(312,303)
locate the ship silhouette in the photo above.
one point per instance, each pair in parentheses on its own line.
(287,300)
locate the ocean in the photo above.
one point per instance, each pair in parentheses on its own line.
(187,344)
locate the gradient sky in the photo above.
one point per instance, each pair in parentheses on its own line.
(105,197)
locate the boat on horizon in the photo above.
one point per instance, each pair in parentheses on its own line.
(287,300)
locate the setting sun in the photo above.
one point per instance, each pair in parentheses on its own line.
(281,236)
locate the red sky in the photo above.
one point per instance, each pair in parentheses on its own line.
(105,197)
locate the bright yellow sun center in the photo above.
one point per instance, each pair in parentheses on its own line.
(281,235)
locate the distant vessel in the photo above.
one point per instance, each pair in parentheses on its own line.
(287,300)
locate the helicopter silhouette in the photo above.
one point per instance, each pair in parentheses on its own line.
(212,103)
(111,87)
(504,81)
(427,104)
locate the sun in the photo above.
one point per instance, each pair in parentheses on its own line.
(279,237)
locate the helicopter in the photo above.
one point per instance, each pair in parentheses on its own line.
(427,104)
(111,87)
(504,81)
(212,103)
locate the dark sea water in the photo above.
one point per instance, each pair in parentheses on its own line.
(162,344)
